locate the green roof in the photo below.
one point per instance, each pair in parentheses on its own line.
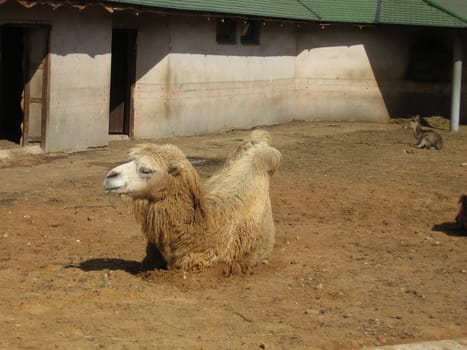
(454,7)
(286,9)
(439,13)
(417,13)
(356,11)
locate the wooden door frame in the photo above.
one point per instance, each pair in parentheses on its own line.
(45,86)
(131,81)
(130,78)
(45,92)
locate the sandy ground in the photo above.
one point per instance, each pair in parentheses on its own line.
(367,252)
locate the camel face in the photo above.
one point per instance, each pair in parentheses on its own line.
(132,177)
(147,173)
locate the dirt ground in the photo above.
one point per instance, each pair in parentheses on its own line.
(367,252)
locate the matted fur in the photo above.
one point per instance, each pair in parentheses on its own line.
(227,220)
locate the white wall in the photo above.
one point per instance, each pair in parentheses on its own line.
(338,72)
(199,86)
(335,78)
(79,72)
(187,83)
(80,60)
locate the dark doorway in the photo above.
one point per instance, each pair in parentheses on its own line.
(122,81)
(23,83)
(12,41)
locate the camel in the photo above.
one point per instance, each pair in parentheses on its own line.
(191,225)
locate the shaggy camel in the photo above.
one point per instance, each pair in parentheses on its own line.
(190,225)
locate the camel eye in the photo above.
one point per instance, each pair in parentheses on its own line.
(145,171)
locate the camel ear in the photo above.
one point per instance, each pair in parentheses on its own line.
(174,169)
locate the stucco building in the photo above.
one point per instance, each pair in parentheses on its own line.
(74,72)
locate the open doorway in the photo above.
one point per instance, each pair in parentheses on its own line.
(11,83)
(122,81)
(23,83)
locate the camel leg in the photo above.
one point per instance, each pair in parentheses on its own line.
(154,259)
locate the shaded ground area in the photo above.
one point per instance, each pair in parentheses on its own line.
(367,252)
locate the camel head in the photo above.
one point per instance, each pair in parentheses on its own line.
(147,172)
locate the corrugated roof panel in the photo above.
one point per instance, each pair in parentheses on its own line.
(344,11)
(416,12)
(442,13)
(456,8)
(286,9)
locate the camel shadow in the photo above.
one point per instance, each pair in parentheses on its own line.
(152,261)
(99,264)
(450,229)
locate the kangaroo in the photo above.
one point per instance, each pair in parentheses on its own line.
(428,139)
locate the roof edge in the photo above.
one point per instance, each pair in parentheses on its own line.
(447,10)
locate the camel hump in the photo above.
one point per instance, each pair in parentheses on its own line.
(259,135)
(255,138)
(267,158)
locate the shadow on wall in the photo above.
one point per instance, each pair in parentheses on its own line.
(425,81)
(411,65)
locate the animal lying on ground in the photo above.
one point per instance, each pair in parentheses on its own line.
(461,217)
(428,139)
(189,224)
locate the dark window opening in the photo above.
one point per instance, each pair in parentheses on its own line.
(250,33)
(226,31)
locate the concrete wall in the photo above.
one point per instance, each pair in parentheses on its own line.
(335,77)
(190,84)
(80,61)
(187,83)
(79,73)
(373,73)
